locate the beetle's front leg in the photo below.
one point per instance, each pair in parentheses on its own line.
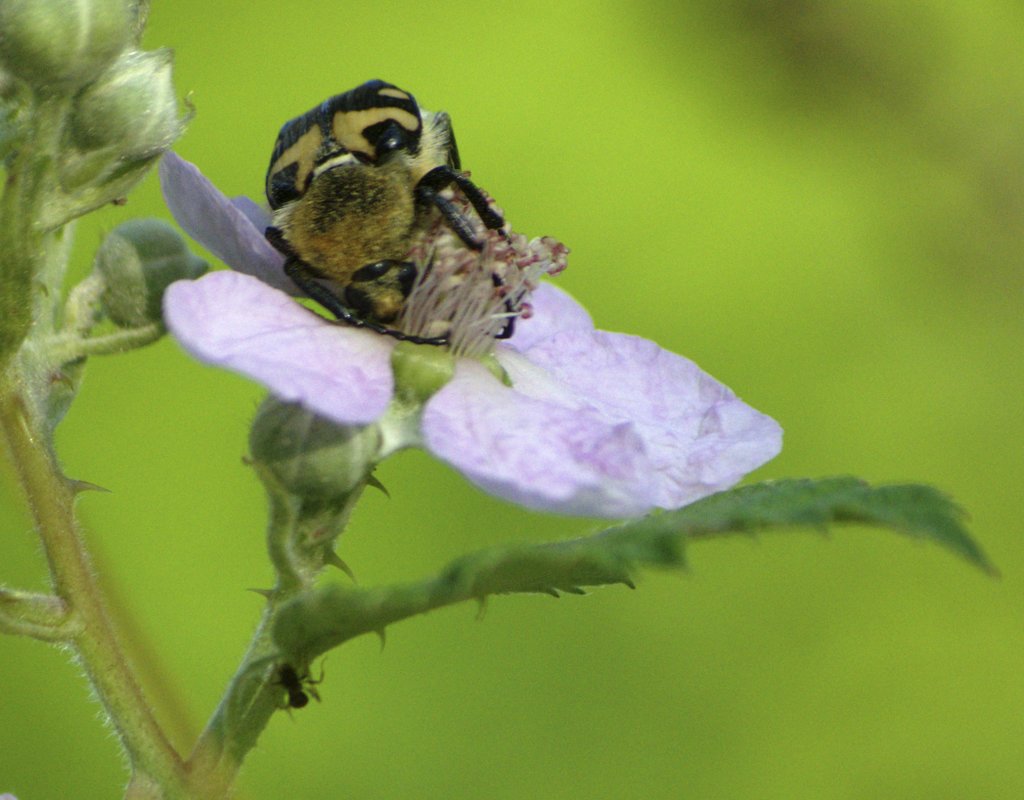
(305,278)
(428,188)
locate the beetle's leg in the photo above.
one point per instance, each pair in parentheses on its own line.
(393,138)
(304,276)
(428,188)
(379,290)
(510,321)
(442,176)
(491,218)
(306,279)
(508,330)
(390,276)
(276,238)
(456,221)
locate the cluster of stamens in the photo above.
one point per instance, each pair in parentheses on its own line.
(472,297)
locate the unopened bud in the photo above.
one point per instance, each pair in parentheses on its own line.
(61,45)
(138,260)
(312,457)
(131,105)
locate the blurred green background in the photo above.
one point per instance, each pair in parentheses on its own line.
(820,203)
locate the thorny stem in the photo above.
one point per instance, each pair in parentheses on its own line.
(51,499)
(249,700)
(32,261)
(22,243)
(253,694)
(243,712)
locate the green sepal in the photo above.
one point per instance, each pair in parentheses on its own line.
(92,180)
(314,472)
(130,108)
(420,371)
(492,365)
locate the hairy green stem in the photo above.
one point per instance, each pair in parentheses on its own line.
(23,250)
(32,265)
(65,348)
(244,711)
(254,693)
(51,499)
(250,699)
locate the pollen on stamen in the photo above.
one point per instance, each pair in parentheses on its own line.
(472,297)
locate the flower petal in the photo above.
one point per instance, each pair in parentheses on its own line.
(253,211)
(226,228)
(235,321)
(554,310)
(537,453)
(597,424)
(699,438)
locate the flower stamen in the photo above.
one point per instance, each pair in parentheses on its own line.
(475,297)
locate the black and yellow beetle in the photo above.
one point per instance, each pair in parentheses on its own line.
(349,184)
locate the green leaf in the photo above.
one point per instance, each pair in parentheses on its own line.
(323,618)
(916,510)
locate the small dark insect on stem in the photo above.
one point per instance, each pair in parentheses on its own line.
(297,687)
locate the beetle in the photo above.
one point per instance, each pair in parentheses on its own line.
(350,183)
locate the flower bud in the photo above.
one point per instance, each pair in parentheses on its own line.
(131,105)
(311,457)
(138,260)
(61,45)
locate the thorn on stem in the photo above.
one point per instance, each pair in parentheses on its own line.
(332,558)
(376,484)
(77,486)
